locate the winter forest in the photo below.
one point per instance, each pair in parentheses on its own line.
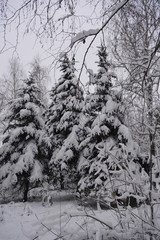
(79,149)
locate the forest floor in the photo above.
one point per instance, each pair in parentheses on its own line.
(67,219)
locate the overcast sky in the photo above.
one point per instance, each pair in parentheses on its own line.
(28,48)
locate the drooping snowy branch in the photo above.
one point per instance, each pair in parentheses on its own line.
(81,36)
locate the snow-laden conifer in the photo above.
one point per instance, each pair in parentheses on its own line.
(109,157)
(23,155)
(62,121)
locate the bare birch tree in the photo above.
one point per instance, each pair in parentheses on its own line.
(137,47)
(10,83)
(41,76)
(12,80)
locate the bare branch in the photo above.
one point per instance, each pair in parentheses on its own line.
(50,230)
(100,30)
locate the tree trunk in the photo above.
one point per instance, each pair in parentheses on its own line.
(26,189)
(152,153)
(61,181)
(152,143)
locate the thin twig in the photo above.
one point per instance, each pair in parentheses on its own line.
(90,216)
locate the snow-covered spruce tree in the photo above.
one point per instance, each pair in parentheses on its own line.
(109,157)
(62,121)
(23,155)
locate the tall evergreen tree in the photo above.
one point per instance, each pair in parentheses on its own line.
(107,162)
(62,121)
(23,155)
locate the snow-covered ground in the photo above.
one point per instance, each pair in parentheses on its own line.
(66,220)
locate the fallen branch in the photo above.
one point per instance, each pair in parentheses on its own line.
(50,230)
(90,216)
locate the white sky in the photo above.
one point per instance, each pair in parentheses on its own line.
(28,48)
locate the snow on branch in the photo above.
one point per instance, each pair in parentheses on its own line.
(83,35)
(94,32)
(65,17)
